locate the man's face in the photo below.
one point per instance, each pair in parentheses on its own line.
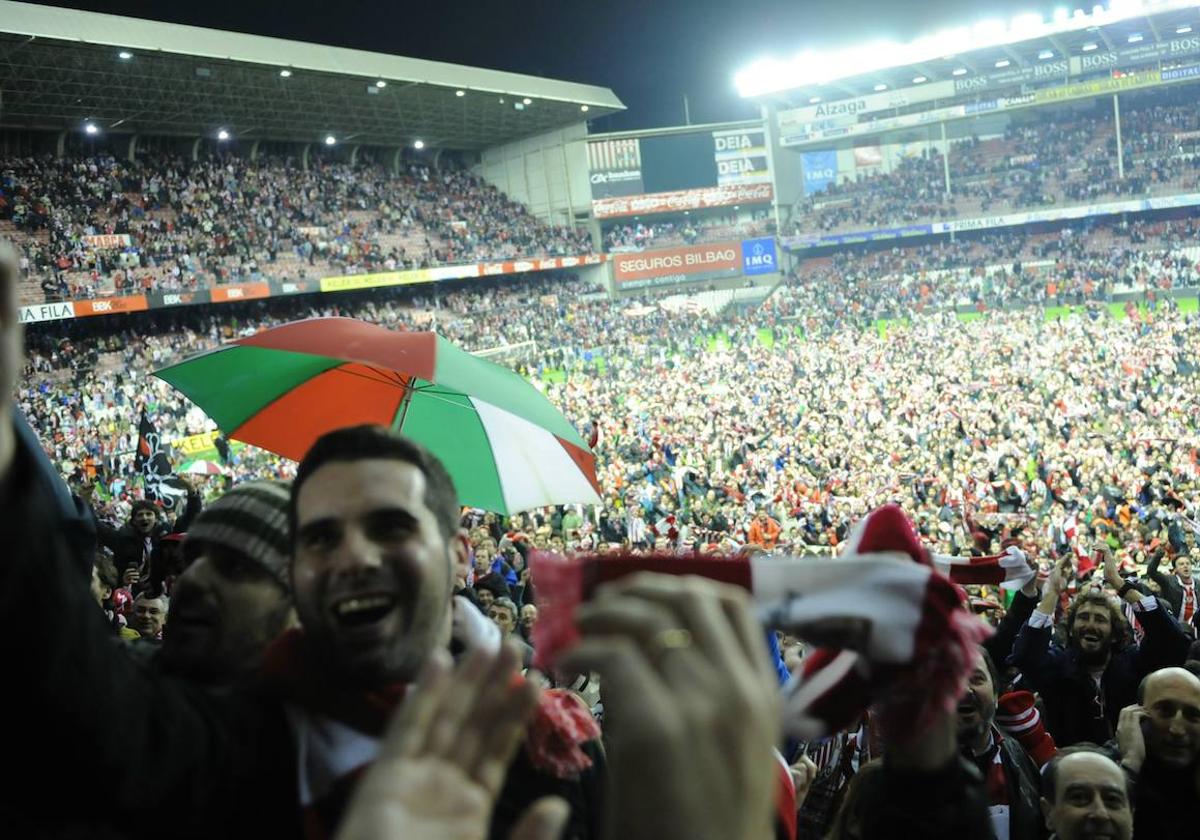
(529,614)
(144,520)
(1183,567)
(485,597)
(100,591)
(371,572)
(225,610)
(977,707)
(502,617)
(1092,632)
(483,561)
(149,616)
(1172,703)
(1090,800)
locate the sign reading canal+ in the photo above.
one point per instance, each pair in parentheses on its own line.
(693,259)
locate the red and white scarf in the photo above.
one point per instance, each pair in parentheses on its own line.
(891,624)
(1008,569)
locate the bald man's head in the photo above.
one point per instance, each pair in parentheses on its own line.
(1085,795)
(1171,698)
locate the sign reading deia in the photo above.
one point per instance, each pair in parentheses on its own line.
(741,157)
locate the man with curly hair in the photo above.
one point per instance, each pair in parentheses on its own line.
(1085,684)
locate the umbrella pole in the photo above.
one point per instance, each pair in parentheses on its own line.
(402,410)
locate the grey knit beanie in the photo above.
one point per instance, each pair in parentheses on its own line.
(251,519)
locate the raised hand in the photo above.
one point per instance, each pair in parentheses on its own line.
(691,705)
(445,756)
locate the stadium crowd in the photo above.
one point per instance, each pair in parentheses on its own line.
(194,224)
(1043,158)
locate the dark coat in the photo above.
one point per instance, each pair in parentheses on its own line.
(1165,802)
(1024,791)
(126,543)
(140,750)
(902,805)
(1172,590)
(1072,710)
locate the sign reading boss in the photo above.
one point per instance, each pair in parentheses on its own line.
(693,259)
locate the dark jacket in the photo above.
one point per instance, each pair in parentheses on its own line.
(1024,788)
(902,805)
(1165,802)
(127,544)
(139,749)
(1072,708)
(1172,589)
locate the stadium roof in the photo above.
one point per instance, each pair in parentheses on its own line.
(61,67)
(970,51)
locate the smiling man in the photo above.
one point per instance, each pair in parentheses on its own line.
(1159,740)
(1085,684)
(1086,797)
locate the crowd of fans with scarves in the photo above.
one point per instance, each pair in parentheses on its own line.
(1045,468)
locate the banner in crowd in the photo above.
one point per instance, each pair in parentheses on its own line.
(1095,87)
(240,291)
(866,157)
(158,300)
(39,312)
(668,202)
(193,446)
(758,256)
(108,240)
(1081,211)
(1144,52)
(741,156)
(118,304)
(152,463)
(111,306)
(615,167)
(820,170)
(672,264)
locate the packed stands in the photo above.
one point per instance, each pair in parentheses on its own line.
(1045,157)
(225,220)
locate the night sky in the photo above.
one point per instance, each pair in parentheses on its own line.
(650,52)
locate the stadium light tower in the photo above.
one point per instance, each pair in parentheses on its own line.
(90,129)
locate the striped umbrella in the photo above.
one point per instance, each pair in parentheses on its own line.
(506,447)
(201,467)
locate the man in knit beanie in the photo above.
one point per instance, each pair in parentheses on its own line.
(234,597)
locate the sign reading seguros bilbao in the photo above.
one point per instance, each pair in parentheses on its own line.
(758,256)
(716,258)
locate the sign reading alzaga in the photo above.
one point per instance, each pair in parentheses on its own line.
(693,259)
(725,195)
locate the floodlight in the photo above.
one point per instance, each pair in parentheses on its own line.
(90,128)
(285,73)
(222,134)
(1062,14)
(526,101)
(330,139)
(124,55)
(920,80)
(1135,38)
(381,84)
(1088,47)
(1026,23)
(959,71)
(460,93)
(880,87)
(1183,30)
(583,108)
(1046,54)
(418,144)
(1004,62)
